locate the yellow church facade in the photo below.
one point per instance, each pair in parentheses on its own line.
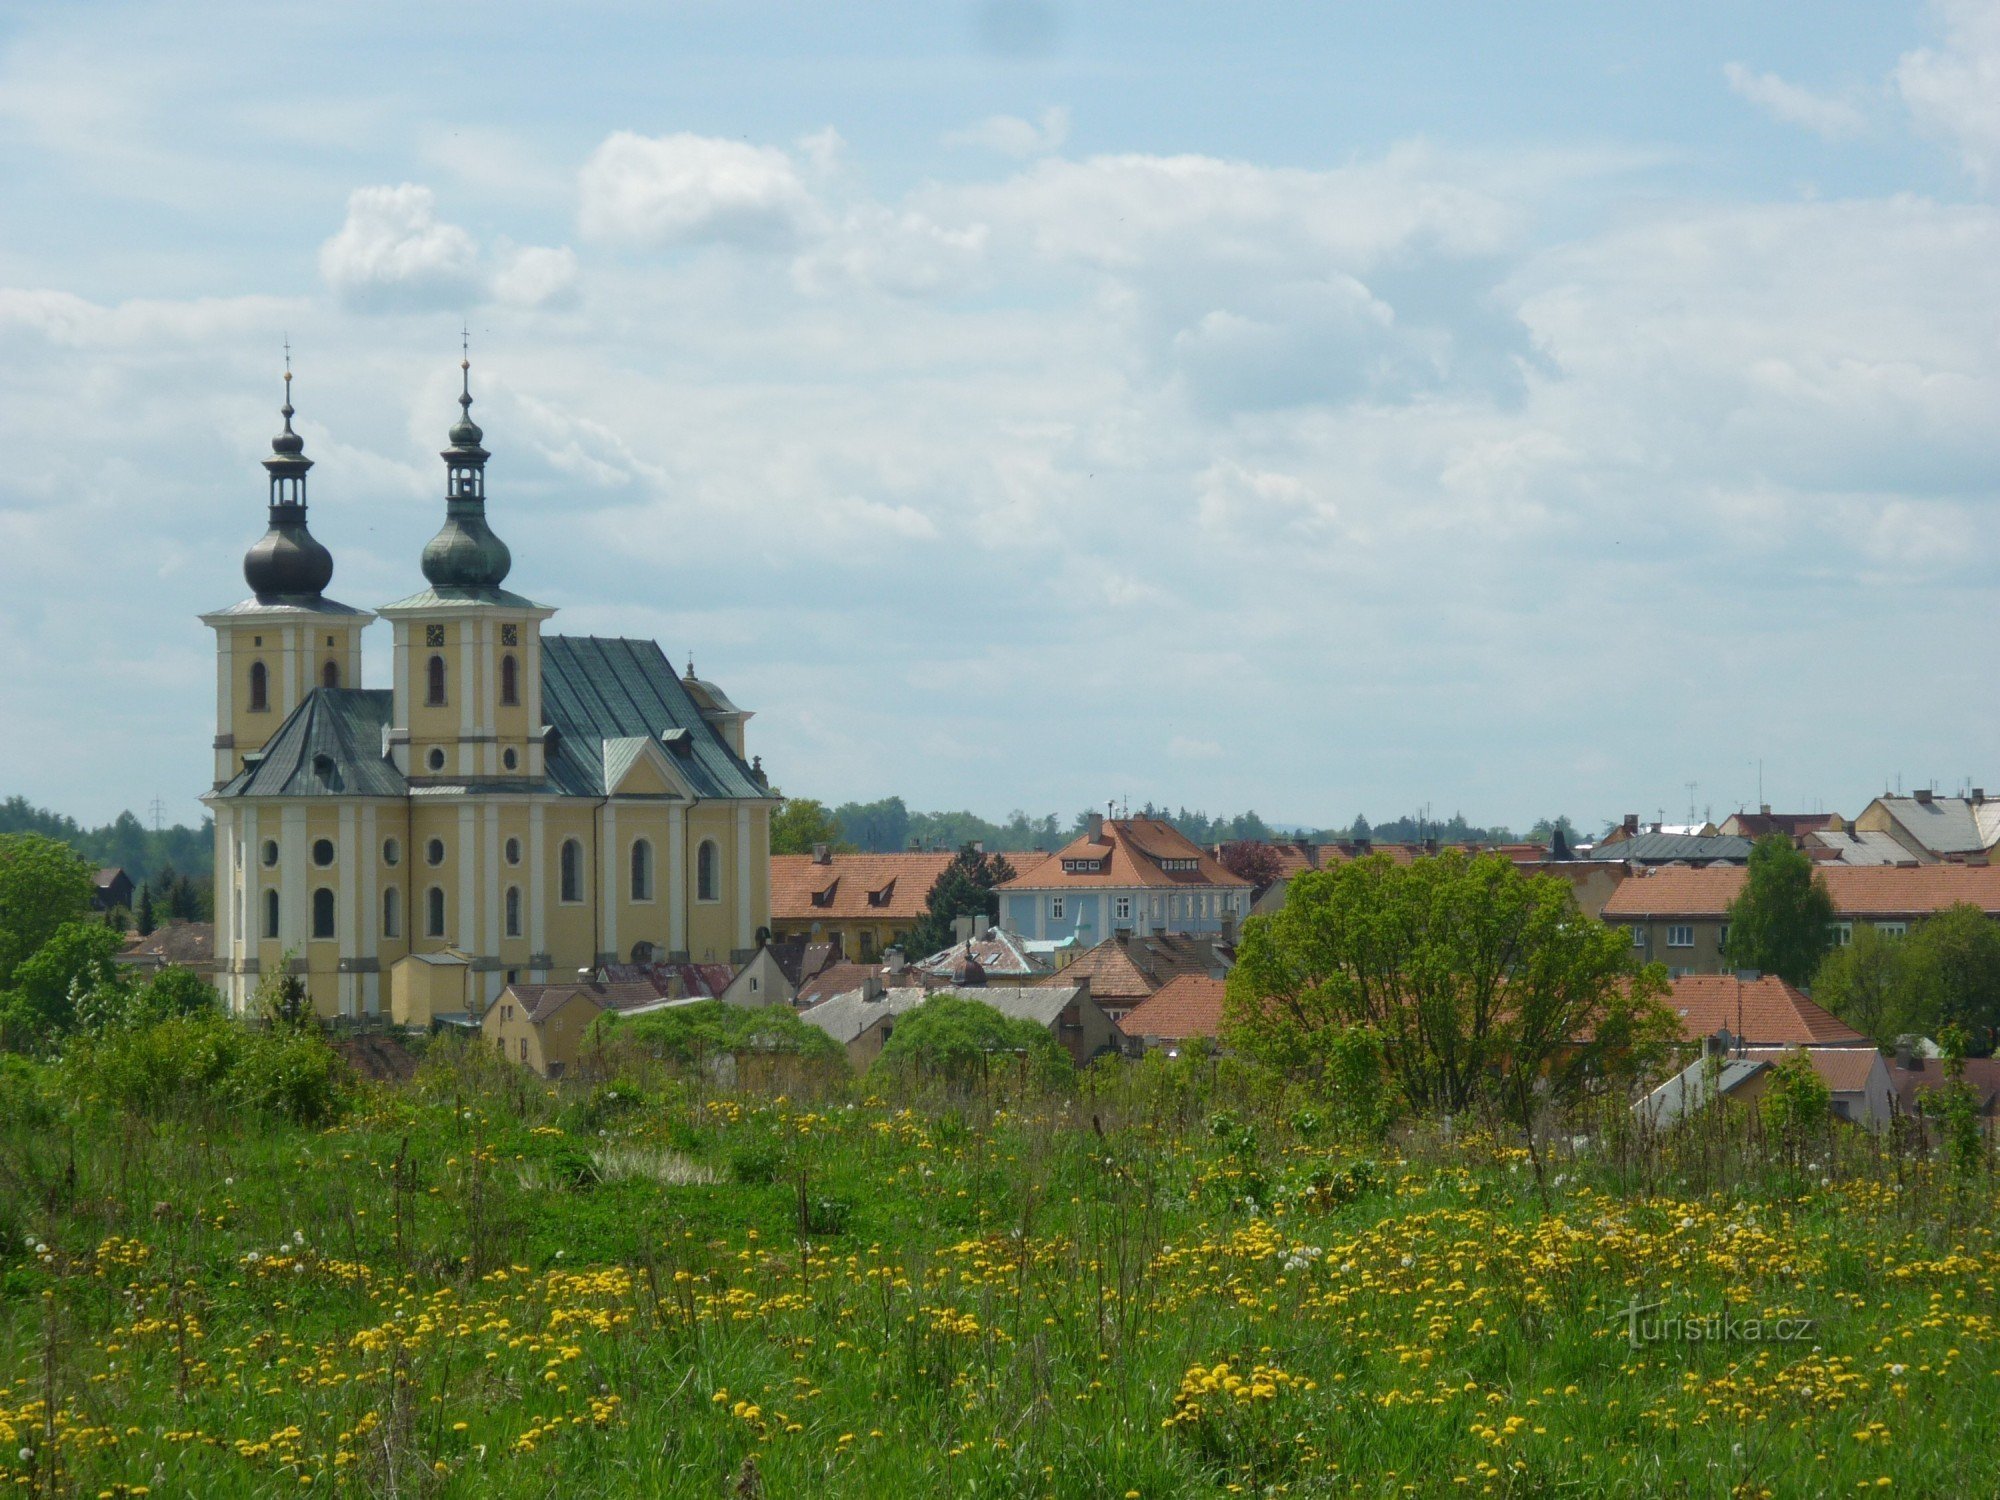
(530,804)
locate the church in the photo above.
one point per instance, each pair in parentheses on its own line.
(515,806)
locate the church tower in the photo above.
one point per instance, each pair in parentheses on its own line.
(287,638)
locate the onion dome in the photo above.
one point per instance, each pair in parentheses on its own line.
(465,554)
(287,563)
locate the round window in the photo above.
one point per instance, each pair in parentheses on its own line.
(392,852)
(436,759)
(434,852)
(510,758)
(513,851)
(270,853)
(322,852)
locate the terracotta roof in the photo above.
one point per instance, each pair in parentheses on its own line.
(1845,1070)
(1137,847)
(1857,890)
(834,979)
(882,887)
(1926,1073)
(541,1001)
(1761,1012)
(188,943)
(1124,971)
(1188,1006)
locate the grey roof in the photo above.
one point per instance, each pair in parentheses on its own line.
(847,1016)
(1861,848)
(598,688)
(1666,848)
(1688,1090)
(286,607)
(329,746)
(1947,825)
(453,597)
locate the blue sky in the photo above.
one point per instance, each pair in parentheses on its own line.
(1321,408)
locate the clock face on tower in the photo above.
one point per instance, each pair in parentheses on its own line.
(434,635)
(510,635)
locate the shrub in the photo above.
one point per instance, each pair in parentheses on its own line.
(755,1162)
(957,1038)
(205,1063)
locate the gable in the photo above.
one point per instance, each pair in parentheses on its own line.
(638,767)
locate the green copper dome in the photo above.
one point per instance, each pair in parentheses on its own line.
(465,554)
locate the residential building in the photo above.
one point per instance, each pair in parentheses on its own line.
(1934,828)
(1002,956)
(180,945)
(1130,968)
(1916,1074)
(868,903)
(112,889)
(1658,845)
(1756,1010)
(862,1020)
(1843,844)
(1129,874)
(541,804)
(1178,1012)
(1630,828)
(1856,1078)
(542,1026)
(1679,917)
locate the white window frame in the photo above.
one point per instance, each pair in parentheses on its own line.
(1680,935)
(1122,909)
(1842,933)
(1055,908)
(1638,935)
(1893,929)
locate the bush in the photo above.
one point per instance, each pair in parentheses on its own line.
(755,1162)
(959,1039)
(207,1063)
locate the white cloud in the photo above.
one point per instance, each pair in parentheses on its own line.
(394,252)
(1954,91)
(659,191)
(1834,119)
(537,276)
(1010,135)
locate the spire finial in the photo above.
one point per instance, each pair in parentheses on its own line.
(286,410)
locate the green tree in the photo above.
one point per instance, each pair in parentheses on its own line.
(43,886)
(802,822)
(1952,962)
(1467,970)
(144,916)
(69,974)
(1782,919)
(1867,984)
(1797,1106)
(958,1038)
(174,991)
(965,889)
(685,1034)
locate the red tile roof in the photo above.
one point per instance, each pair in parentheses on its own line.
(1926,1073)
(1129,852)
(1857,890)
(1845,1070)
(1761,1012)
(1124,971)
(838,979)
(1188,1006)
(879,887)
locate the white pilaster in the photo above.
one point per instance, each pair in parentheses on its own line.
(607,885)
(538,924)
(293,903)
(745,929)
(368,914)
(489,697)
(496,919)
(352,918)
(466,868)
(288,654)
(677,883)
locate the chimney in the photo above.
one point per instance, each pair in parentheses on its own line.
(1631,822)
(961,929)
(1431,844)
(1979,796)
(893,961)
(822,854)
(1364,845)
(1923,795)
(1905,1052)
(916,846)
(1764,808)
(1749,976)
(979,846)
(1097,825)
(871,989)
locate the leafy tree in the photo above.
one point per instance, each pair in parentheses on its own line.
(70,973)
(685,1034)
(43,886)
(881,827)
(957,1037)
(1257,863)
(1952,964)
(1544,831)
(964,889)
(174,991)
(1867,984)
(1797,1105)
(1781,921)
(802,823)
(1467,970)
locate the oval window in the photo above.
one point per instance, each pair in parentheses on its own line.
(392,852)
(270,853)
(513,851)
(435,759)
(322,852)
(434,852)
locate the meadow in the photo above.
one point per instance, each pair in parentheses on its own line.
(1175,1278)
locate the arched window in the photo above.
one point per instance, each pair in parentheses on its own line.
(260,688)
(513,911)
(708,872)
(434,681)
(392,914)
(435,927)
(642,870)
(510,680)
(270,914)
(323,912)
(329,675)
(572,870)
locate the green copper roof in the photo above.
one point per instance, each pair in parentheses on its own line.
(329,746)
(440,598)
(598,688)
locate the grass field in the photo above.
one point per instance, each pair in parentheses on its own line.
(1168,1281)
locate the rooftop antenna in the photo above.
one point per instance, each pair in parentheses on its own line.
(1691,786)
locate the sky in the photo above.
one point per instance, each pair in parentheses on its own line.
(1318,408)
